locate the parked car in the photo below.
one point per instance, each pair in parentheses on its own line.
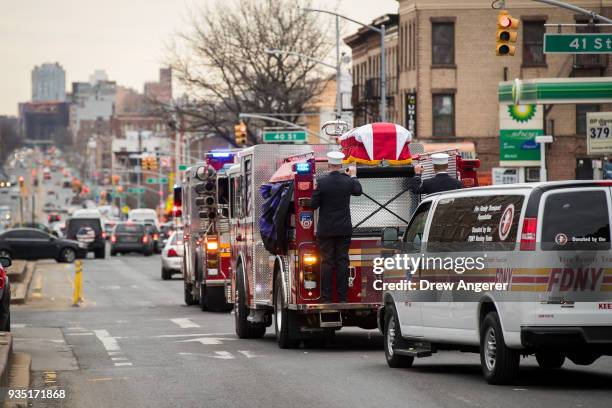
(131,237)
(172,255)
(35,225)
(5,295)
(85,225)
(32,244)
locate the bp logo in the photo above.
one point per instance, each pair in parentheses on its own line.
(521,113)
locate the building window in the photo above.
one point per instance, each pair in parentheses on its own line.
(581,111)
(443,43)
(533,43)
(443,115)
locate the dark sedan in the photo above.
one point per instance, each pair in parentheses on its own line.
(131,237)
(31,244)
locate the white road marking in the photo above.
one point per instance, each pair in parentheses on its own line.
(207,340)
(119,358)
(109,343)
(223,355)
(122,364)
(192,335)
(18,325)
(249,354)
(110,287)
(79,334)
(184,323)
(114,353)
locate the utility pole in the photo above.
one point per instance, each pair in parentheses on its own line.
(139,168)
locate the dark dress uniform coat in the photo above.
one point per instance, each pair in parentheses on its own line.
(440,182)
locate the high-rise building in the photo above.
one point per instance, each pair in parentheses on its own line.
(48,83)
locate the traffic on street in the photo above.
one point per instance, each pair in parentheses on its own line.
(427,225)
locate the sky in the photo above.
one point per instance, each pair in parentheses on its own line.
(127,38)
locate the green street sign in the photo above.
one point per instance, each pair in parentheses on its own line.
(284,136)
(183,167)
(153,180)
(136,190)
(590,43)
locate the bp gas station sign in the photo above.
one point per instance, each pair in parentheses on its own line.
(518,127)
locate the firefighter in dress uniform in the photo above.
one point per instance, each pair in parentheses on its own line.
(442,181)
(332,196)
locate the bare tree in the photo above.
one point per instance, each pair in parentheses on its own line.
(221,61)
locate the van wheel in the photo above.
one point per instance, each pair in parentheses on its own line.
(500,364)
(393,337)
(244,328)
(549,360)
(165,274)
(189,300)
(282,318)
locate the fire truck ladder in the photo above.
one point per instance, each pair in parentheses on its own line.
(382,207)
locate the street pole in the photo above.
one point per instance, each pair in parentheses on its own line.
(383,76)
(381,31)
(576,9)
(161,190)
(139,168)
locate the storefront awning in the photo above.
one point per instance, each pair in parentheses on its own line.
(555,91)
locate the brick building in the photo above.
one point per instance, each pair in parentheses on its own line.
(443,75)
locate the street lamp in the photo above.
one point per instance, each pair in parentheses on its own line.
(383,74)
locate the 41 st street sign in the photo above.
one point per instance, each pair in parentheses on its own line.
(577,43)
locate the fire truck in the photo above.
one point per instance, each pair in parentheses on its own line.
(284,287)
(206,259)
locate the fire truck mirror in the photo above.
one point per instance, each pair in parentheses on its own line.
(335,128)
(389,236)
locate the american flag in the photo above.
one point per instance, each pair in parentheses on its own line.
(375,142)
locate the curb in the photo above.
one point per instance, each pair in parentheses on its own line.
(17,270)
(19,378)
(6,349)
(19,290)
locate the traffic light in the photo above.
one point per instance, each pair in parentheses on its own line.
(240,134)
(506,34)
(115,180)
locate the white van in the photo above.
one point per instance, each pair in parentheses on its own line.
(144,215)
(85,225)
(546,259)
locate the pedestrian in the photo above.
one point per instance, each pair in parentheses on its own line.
(332,196)
(442,181)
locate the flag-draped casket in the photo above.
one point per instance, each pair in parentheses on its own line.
(376,142)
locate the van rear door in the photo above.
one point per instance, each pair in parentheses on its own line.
(574,235)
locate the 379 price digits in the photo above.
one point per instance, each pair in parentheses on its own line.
(599,132)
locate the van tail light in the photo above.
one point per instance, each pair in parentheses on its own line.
(145,239)
(528,236)
(113,238)
(172,253)
(155,237)
(103,235)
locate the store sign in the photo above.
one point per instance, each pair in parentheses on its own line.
(411,113)
(518,127)
(599,132)
(502,175)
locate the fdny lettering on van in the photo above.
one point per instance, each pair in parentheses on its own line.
(574,279)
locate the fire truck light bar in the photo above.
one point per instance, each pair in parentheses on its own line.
(220,155)
(302,168)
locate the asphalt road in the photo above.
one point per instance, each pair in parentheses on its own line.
(133,343)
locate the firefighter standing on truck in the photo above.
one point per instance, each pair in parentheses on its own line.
(332,196)
(442,180)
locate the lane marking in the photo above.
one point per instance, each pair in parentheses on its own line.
(207,341)
(109,343)
(79,334)
(223,355)
(100,379)
(184,323)
(122,364)
(119,358)
(191,335)
(249,354)
(18,325)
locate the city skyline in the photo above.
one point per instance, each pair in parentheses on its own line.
(129,42)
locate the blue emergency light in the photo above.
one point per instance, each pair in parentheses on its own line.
(302,168)
(220,155)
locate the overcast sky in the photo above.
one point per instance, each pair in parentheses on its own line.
(124,37)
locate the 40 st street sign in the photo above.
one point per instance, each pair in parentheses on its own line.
(284,136)
(555,43)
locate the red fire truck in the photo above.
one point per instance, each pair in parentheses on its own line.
(285,286)
(206,259)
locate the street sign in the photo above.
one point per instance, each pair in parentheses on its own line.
(183,167)
(136,190)
(555,43)
(599,133)
(153,180)
(284,136)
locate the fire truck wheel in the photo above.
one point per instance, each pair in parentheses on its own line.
(244,328)
(550,360)
(392,338)
(500,364)
(203,300)
(282,318)
(189,300)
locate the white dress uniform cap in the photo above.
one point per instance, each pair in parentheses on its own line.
(439,158)
(335,157)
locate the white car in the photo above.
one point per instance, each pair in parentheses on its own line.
(172,255)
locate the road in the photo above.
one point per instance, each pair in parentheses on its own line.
(134,344)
